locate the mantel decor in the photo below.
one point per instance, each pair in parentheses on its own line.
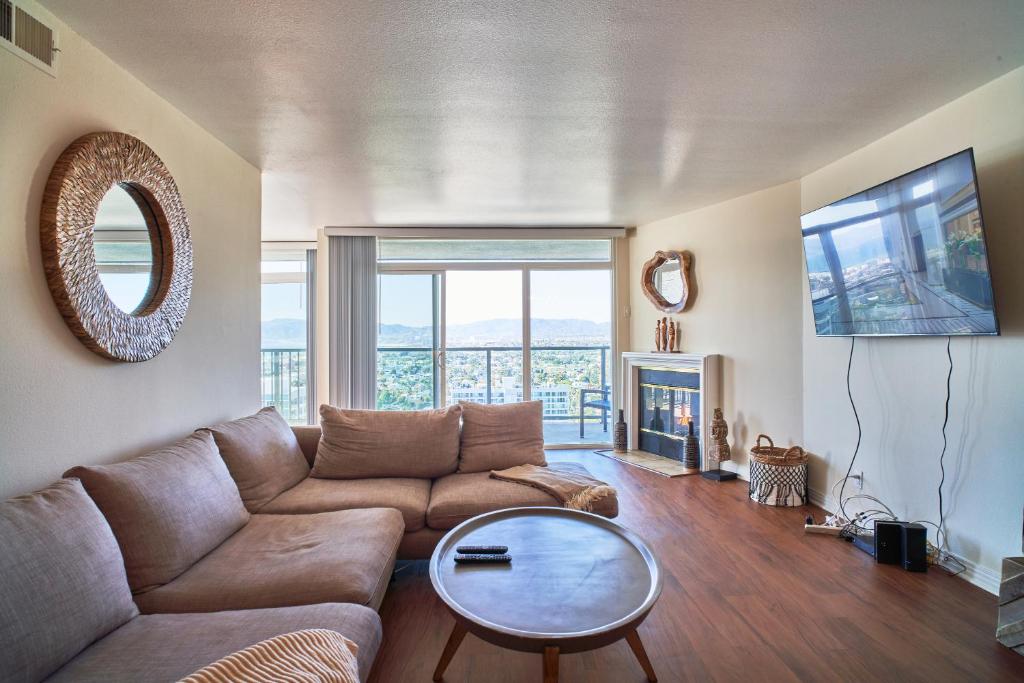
(91,167)
(666,280)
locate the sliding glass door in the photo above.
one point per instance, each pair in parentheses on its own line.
(570,345)
(409,371)
(484,336)
(538,327)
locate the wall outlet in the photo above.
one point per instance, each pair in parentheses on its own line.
(859,478)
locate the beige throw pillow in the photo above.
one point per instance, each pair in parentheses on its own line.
(358,444)
(167,508)
(501,435)
(262,454)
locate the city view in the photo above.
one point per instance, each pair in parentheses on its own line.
(483,357)
(566,356)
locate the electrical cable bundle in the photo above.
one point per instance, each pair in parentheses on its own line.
(874,508)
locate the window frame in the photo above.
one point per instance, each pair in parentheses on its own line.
(526,268)
(307,277)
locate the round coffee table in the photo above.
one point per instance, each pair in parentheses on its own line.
(576,582)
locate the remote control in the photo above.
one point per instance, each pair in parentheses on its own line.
(482,549)
(483,559)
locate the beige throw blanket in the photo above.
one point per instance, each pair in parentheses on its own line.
(314,655)
(569,482)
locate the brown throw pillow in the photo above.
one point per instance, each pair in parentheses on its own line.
(167,508)
(501,435)
(262,454)
(358,444)
(62,581)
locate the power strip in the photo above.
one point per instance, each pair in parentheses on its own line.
(822,529)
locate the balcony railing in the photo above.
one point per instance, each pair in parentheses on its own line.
(283,382)
(594,374)
(284,377)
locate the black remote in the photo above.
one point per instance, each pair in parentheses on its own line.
(482,549)
(483,559)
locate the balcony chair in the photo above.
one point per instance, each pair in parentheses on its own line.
(602,402)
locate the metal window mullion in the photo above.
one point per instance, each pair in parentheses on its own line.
(527,338)
(441,354)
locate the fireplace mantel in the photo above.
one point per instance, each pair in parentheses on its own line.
(709,366)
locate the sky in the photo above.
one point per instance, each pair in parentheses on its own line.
(283,301)
(489,295)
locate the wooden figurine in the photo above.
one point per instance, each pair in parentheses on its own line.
(664,334)
(657,336)
(672,337)
(719,450)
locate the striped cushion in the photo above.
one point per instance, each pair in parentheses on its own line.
(315,655)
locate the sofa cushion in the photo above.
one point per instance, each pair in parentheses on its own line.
(359,444)
(62,580)
(167,508)
(168,647)
(283,560)
(408,496)
(419,545)
(501,435)
(457,497)
(262,454)
(308,437)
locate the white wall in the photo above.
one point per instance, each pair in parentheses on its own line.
(61,404)
(899,384)
(748,281)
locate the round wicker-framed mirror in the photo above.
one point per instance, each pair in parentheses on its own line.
(116,246)
(666,280)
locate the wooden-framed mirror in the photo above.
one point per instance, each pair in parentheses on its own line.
(665,280)
(116,246)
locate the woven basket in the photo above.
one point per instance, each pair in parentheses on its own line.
(778,476)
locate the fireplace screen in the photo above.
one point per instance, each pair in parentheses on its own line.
(669,402)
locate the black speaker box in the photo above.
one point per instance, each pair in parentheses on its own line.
(915,547)
(888,542)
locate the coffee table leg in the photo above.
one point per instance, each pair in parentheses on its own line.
(551,665)
(454,640)
(633,638)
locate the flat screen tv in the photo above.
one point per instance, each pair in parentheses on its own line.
(907,257)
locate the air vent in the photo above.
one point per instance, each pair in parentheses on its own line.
(34,37)
(6,19)
(26,33)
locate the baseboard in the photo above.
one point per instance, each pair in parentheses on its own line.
(983,577)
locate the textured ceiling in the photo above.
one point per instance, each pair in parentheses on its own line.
(543,113)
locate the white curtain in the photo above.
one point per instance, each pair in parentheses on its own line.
(353,321)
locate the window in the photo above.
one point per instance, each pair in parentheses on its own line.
(287,331)
(471,320)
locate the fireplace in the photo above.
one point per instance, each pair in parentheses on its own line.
(669,404)
(662,393)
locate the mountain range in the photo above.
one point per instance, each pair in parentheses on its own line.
(287,333)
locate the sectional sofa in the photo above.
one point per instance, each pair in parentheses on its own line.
(151,568)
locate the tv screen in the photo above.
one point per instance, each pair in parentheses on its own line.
(907,257)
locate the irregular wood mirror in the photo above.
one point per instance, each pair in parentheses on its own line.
(666,280)
(116,246)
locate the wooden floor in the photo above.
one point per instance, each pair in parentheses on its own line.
(747,596)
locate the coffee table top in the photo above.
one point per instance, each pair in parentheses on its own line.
(573,576)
